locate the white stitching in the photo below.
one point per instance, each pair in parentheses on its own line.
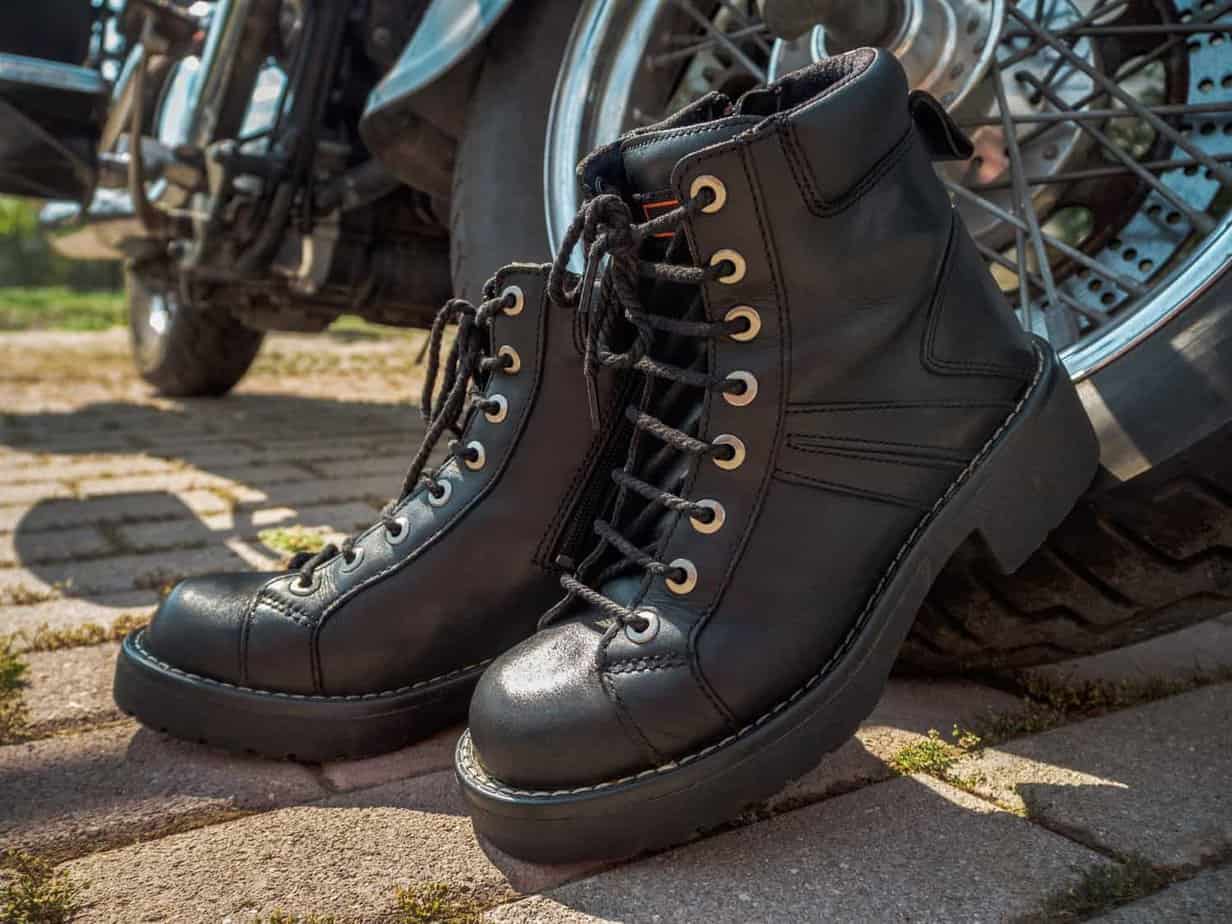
(465,753)
(304,696)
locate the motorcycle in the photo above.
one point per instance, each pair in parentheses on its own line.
(269,164)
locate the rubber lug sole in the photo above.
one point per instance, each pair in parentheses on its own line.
(1017,490)
(310,729)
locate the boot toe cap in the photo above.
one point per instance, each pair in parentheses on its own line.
(197,627)
(541,718)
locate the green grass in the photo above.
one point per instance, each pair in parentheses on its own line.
(32,892)
(58,308)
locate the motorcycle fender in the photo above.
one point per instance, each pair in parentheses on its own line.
(447,33)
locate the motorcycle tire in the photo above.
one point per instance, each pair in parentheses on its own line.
(182,351)
(1147,551)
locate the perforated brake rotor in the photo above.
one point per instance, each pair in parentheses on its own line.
(1111,201)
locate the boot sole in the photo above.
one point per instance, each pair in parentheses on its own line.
(284,725)
(1021,485)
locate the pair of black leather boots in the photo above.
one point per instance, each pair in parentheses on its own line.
(782,393)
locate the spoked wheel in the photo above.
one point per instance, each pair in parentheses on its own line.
(1100,195)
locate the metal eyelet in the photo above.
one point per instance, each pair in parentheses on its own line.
(744,313)
(478,462)
(519,301)
(501,412)
(716,521)
(715,185)
(443,498)
(404,530)
(642,636)
(300,589)
(739,267)
(750,389)
(348,566)
(515,361)
(738,451)
(690,576)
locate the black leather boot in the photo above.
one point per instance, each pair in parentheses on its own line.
(836,396)
(364,648)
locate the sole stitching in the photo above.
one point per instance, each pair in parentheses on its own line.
(478,777)
(357,697)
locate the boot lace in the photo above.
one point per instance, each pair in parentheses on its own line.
(605,228)
(468,362)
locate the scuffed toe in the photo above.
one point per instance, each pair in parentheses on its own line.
(541,718)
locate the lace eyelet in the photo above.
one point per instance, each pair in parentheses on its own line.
(643,636)
(739,267)
(740,399)
(716,521)
(737,448)
(358,559)
(501,412)
(440,500)
(514,365)
(715,185)
(404,530)
(519,301)
(744,313)
(690,577)
(478,462)
(301,589)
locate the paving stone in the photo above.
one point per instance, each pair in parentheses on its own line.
(243,523)
(1150,781)
(343,856)
(70,795)
(188,479)
(910,849)
(120,573)
(1206,898)
(101,610)
(53,545)
(70,688)
(123,508)
(909,708)
(430,756)
(1202,649)
(62,468)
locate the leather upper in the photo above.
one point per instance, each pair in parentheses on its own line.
(460,582)
(885,359)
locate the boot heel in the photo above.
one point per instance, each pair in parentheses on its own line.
(1042,467)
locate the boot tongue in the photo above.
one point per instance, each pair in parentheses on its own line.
(639,165)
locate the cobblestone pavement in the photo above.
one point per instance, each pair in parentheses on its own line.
(1096,788)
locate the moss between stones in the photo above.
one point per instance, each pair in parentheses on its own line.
(1100,889)
(33,892)
(292,540)
(14,715)
(436,903)
(1049,703)
(45,638)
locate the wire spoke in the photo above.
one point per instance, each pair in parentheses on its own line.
(1062,327)
(1200,221)
(1098,115)
(722,38)
(1095,173)
(709,44)
(988,253)
(1060,246)
(1115,90)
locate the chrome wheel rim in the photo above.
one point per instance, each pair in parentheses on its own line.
(1153,245)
